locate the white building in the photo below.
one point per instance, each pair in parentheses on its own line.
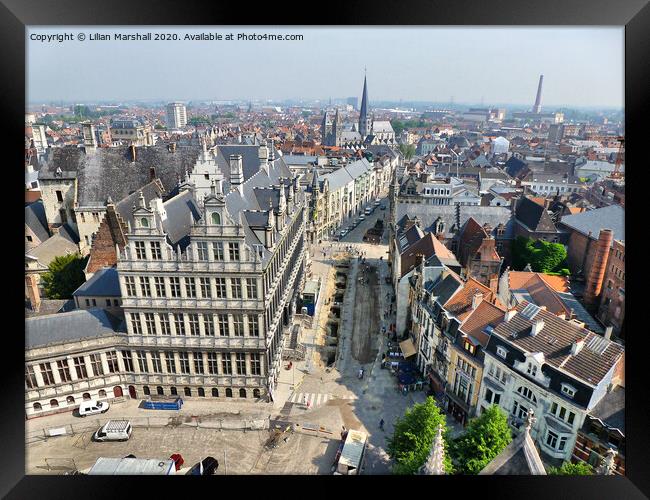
(499,145)
(176,115)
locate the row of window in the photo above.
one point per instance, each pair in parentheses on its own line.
(93,302)
(213,251)
(235,325)
(207,287)
(199,363)
(83,366)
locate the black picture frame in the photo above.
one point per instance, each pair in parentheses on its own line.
(15,15)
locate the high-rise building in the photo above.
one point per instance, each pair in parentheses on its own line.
(176,115)
(537,108)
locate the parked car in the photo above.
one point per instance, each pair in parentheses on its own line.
(368,211)
(206,467)
(383,207)
(114,430)
(93,408)
(362,217)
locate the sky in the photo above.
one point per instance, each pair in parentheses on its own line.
(582,66)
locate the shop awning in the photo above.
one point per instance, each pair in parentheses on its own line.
(407,348)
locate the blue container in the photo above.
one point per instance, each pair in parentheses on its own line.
(163,405)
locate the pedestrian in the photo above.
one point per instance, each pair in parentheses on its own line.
(381,424)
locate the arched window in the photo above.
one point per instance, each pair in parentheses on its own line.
(146,390)
(37,407)
(102,393)
(144,222)
(256,393)
(229,392)
(527,393)
(86,396)
(160,391)
(215,392)
(216,218)
(173,391)
(69,400)
(242,393)
(188,391)
(201,392)
(54,403)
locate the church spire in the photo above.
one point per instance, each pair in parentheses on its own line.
(435,466)
(363,112)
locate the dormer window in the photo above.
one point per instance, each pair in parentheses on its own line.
(531,369)
(567,390)
(144,222)
(502,352)
(215,218)
(469,347)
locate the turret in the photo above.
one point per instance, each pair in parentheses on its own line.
(236,172)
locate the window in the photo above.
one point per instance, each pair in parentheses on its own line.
(30,239)
(59,196)
(129,282)
(519,410)
(173,391)
(116,302)
(208,325)
(238,325)
(54,403)
(169,361)
(226,364)
(155,361)
(159,284)
(156,253)
(30,377)
(242,393)
(145,389)
(469,347)
(563,441)
(142,361)
(531,370)
(215,392)
(492,397)
(96,363)
(139,250)
(185,362)
(64,371)
(221,288)
(205,288)
(202,250)
(175,286)
(256,367)
(228,392)
(111,361)
(80,367)
(212,363)
(144,286)
(127,360)
(150,323)
(253,326)
(235,288)
(462,387)
(201,392)
(216,218)
(240,358)
(551,439)
(190,288)
(160,391)
(233,251)
(251,288)
(108,302)
(187,391)
(136,327)
(198,362)
(179,323)
(164,324)
(502,352)
(223,324)
(568,390)
(527,393)
(194,323)
(217,250)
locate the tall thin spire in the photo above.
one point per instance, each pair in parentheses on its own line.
(537,108)
(363,112)
(435,465)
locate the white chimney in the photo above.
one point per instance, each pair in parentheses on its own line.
(476,300)
(537,327)
(608,332)
(510,314)
(576,347)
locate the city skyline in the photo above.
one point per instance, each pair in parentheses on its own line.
(249,70)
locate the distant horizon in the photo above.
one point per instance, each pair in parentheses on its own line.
(427,65)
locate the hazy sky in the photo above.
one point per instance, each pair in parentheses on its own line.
(581,66)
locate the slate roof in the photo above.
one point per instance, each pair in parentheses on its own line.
(182,211)
(124,207)
(71,326)
(520,457)
(446,287)
(534,216)
(110,172)
(515,167)
(249,154)
(611,217)
(36,220)
(588,365)
(103,283)
(611,409)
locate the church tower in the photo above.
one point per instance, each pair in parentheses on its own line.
(337,128)
(326,129)
(365,122)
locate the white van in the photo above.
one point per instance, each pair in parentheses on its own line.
(114,430)
(93,408)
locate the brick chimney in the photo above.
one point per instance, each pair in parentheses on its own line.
(477,298)
(32,292)
(594,282)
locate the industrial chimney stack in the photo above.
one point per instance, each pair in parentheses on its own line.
(538,100)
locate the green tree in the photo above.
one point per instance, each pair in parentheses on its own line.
(485,438)
(550,256)
(569,469)
(411,442)
(64,275)
(398,126)
(543,256)
(408,150)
